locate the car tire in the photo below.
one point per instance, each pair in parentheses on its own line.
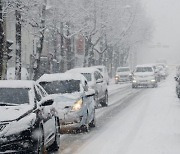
(133,86)
(56,143)
(104,103)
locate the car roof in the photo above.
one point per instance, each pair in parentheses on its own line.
(145,65)
(84,70)
(61,76)
(17,83)
(123,67)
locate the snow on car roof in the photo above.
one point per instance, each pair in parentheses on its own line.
(17,83)
(84,70)
(61,76)
(145,65)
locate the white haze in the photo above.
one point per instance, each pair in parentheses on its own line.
(165,43)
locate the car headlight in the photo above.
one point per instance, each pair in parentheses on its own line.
(134,81)
(77,105)
(153,80)
(117,77)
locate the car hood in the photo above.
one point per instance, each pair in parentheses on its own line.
(63,101)
(9,113)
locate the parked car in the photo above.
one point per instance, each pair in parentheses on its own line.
(11,73)
(95,81)
(144,75)
(104,72)
(28,120)
(123,74)
(74,99)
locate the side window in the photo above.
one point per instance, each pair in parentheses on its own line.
(99,75)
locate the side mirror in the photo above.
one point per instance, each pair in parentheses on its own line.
(99,80)
(47,102)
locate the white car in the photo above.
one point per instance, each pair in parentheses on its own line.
(144,75)
(73,99)
(123,74)
(96,82)
(103,71)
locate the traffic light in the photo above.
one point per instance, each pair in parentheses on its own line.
(9,49)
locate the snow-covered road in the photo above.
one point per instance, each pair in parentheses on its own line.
(146,122)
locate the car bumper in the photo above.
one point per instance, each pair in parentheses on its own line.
(71,120)
(144,82)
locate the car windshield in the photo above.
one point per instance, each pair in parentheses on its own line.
(14,96)
(87,76)
(144,69)
(123,70)
(61,87)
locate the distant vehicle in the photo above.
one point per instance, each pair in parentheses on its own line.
(123,74)
(25,124)
(144,75)
(104,72)
(74,99)
(95,81)
(163,69)
(11,74)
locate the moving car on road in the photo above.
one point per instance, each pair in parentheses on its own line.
(74,99)
(95,81)
(144,75)
(123,74)
(28,120)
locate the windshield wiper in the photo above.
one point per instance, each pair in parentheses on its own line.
(7,104)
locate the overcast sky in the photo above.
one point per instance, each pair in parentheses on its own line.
(166,19)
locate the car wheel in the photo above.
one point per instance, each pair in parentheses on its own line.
(105,100)
(93,122)
(133,86)
(56,143)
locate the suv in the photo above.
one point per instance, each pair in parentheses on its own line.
(144,75)
(95,81)
(123,74)
(28,120)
